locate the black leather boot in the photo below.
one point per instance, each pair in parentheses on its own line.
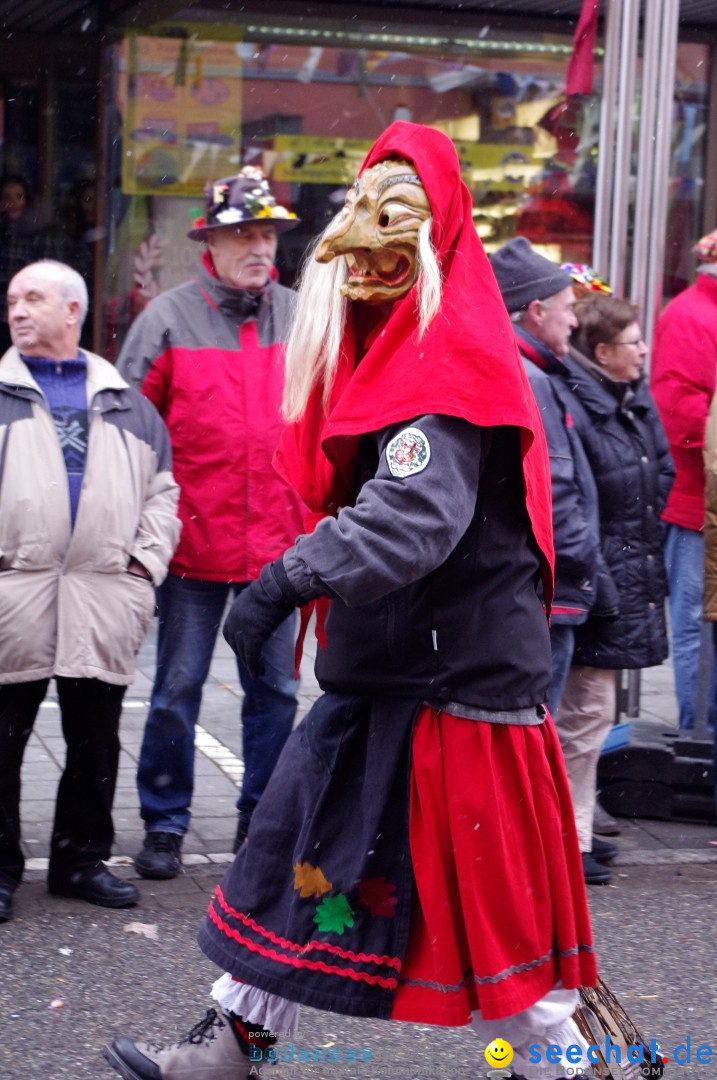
(160,858)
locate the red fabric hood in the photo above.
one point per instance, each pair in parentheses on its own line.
(466,364)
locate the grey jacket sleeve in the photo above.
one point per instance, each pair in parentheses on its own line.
(402,526)
(148,337)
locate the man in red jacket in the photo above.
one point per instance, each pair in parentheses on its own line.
(209,355)
(684,359)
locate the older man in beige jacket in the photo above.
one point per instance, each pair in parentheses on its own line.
(87,527)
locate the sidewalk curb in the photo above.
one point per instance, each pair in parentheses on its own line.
(35,869)
(664,857)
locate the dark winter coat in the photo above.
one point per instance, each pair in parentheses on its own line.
(630,460)
(580,584)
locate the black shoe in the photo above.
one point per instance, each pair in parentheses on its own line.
(160,858)
(602,851)
(6,897)
(593,872)
(97,886)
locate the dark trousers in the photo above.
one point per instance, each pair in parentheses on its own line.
(82,833)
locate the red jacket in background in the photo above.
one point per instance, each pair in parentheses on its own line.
(684,363)
(211,359)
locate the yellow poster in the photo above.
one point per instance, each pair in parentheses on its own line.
(311,159)
(496,166)
(180,101)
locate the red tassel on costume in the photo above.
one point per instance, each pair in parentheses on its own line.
(320,606)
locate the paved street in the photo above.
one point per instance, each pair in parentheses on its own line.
(655,930)
(71,975)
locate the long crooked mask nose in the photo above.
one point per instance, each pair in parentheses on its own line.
(354,230)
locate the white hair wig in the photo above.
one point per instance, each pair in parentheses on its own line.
(312,351)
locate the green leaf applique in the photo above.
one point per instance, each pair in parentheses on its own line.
(334,914)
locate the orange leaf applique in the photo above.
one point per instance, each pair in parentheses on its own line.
(310,881)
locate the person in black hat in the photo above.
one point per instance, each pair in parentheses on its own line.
(209,355)
(540,299)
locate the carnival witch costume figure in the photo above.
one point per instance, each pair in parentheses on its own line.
(414,856)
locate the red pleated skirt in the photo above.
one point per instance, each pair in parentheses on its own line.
(500,913)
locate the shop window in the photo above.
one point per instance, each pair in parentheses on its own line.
(687,167)
(23,220)
(305,108)
(47,183)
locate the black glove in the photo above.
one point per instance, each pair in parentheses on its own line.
(257,612)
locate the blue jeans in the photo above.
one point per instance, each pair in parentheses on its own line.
(684,559)
(562,645)
(190,614)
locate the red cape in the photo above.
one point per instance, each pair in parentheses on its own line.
(466,364)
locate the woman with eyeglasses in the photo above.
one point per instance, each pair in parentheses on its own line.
(623,437)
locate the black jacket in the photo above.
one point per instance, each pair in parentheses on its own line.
(630,460)
(580,586)
(434,575)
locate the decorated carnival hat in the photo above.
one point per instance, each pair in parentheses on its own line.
(586,280)
(240,200)
(705,250)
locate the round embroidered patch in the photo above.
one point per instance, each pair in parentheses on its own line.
(408,453)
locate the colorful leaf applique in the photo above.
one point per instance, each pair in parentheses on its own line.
(377,895)
(334,914)
(310,881)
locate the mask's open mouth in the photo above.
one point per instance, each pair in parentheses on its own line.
(362,274)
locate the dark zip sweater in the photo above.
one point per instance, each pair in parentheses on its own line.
(64,384)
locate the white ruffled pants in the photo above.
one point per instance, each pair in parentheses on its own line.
(548,1021)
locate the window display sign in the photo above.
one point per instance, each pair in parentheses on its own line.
(497,166)
(181,108)
(311,159)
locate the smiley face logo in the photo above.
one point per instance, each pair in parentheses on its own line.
(498,1053)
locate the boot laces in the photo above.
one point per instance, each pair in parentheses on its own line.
(203,1032)
(162,842)
(206,1029)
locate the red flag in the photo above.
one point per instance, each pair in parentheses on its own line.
(581,69)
